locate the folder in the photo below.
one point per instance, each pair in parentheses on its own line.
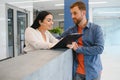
(67,40)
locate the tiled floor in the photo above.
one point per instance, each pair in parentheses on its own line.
(111,63)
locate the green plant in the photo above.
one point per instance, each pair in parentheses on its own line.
(57,30)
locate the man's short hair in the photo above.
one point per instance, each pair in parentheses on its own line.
(81,5)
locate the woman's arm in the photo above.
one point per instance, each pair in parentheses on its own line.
(31,37)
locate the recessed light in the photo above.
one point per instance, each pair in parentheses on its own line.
(61,14)
(30,1)
(59,4)
(101,2)
(108,12)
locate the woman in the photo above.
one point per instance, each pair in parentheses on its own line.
(37,36)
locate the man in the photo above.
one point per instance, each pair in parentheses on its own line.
(88,47)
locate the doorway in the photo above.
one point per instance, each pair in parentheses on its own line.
(10,32)
(21,26)
(17,20)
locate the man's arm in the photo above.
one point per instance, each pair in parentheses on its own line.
(95,49)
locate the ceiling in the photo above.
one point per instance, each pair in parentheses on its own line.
(50,4)
(104,3)
(59,9)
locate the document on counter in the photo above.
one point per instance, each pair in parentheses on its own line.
(67,40)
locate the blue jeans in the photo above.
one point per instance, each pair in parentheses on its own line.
(82,77)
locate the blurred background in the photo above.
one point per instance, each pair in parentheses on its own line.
(16,15)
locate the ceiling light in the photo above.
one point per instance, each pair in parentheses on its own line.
(59,20)
(59,4)
(26,6)
(61,14)
(103,2)
(108,12)
(30,1)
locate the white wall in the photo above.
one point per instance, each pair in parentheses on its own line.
(3,21)
(3,33)
(3,24)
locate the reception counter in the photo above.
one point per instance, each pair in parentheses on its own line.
(38,65)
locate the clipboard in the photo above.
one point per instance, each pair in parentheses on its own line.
(67,40)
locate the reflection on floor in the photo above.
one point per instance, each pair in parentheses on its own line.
(111,63)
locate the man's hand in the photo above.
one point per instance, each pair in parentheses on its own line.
(70,46)
(73,46)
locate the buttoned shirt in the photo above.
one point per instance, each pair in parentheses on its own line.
(93,46)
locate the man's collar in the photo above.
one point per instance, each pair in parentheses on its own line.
(87,26)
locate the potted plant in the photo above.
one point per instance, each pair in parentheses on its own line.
(57,31)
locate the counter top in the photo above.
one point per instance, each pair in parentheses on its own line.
(23,65)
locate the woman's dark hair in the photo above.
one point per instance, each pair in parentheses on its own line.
(41,16)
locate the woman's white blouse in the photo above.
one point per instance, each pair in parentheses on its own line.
(34,40)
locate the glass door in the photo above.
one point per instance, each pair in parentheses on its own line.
(10,32)
(17,20)
(21,26)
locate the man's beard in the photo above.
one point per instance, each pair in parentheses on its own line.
(77,21)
